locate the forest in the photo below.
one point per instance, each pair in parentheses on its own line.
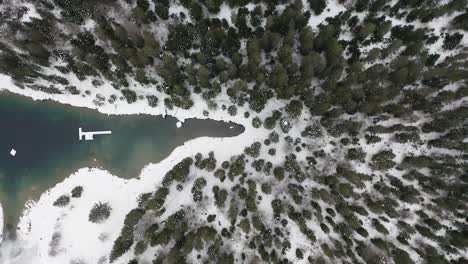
(366,155)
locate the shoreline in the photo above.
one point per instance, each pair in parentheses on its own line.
(37,194)
(33,227)
(122,107)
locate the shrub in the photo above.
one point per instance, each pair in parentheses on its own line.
(272,151)
(158,199)
(256,122)
(401,257)
(152,100)
(407,137)
(253,150)
(452,41)
(62,201)
(196,11)
(278,172)
(179,172)
(379,227)
(294,108)
(232,110)
(270,122)
(122,244)
(383,160)
(77,191)
(461,21)
(356,154)
(220,196)
(99,213)
(129,95)
(237,167)
(197,189)
(312,131)
(317,6)
(220,174)
(258,164)
(244,224)
(208,164)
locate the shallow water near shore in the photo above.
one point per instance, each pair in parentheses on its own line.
(45,137)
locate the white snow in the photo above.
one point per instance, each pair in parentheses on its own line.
(333,8)
(31,13)
(91,243)
(80,241)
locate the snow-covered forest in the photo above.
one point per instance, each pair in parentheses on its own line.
(356,118)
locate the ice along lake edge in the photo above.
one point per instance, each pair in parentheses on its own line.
(44,135)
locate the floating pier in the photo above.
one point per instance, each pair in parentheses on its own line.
(90,135)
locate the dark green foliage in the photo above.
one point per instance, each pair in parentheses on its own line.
(208,164)
(77,191)
(317,6)
(407,33)
(197,188)
(237,167)
(461,21)
(122,244)
(196,11)
(256,122)
(270,122)
(296,192)
(345,189)
(125,240)
(452,41)
(178,173)
(258,99)
(278,172)
(258,164)
(407,137)
(432,223)
(425,231)
(220,196)
(383,160)
(356,154)
(244,224)
(253,150)
(221,174)
(251,197)
(132,218)
(363,232)
(129,95)
(99,213)
(294,108)
(379,227)
(62,201)
(180,38)
(152,100)
(356,73)
(162,10)
(232,110)
(156,202)
(401,256)
(313,131)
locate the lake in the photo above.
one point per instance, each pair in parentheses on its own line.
(45,137)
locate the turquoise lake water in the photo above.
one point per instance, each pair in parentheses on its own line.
(45,136)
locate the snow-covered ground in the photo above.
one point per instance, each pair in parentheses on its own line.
(43,224)
(50,234)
